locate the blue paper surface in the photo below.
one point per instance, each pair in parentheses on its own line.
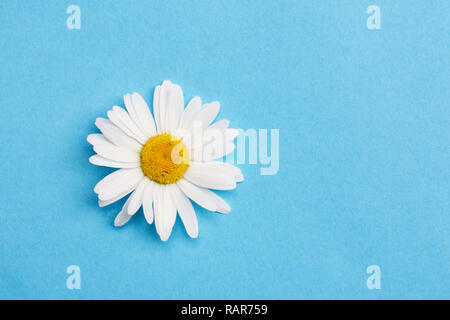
(363,117)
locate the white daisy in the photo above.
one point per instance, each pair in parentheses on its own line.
(166,160)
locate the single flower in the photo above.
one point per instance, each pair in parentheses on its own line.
(165,160)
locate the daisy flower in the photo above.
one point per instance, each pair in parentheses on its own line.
(164,160)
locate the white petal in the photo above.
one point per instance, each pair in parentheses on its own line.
(191,110)
(229,148)
(116,117)
(147,202)
(215,150)
(132,112)
(229,169)
(115,190)
(144,115)
(224,167)
(136,198)
(186,212)
(193,138)
(214,144)
(231,134)
(237,173)
(171,208)
(168,213)
(117,177)
(159,211)
(220,125)
(156,109)
(162,108)
(221,204)
(116,135)
(216,137)
(100,161)
(206,115)
(96,138)
(122,119)
(171,104)
(112,152)
(103,203)
(209,176)
(175,107)
(122,218)
(164,210)
(203,197)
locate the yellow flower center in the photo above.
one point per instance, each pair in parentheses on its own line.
(164,159)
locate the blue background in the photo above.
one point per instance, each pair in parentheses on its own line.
(364,148)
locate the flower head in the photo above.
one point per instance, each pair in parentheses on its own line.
(165,160)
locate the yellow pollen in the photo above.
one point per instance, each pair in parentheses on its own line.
(164,159)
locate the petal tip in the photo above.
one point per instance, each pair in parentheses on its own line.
(194,235)
(224,210)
